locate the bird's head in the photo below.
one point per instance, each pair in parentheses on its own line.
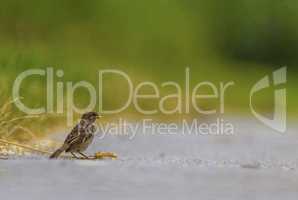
(90,117)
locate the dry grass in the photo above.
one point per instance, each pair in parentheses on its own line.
(13,125)
(18,133)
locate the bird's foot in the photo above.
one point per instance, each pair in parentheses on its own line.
(84,156)
(74,155)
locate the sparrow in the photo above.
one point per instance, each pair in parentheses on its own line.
(80,137)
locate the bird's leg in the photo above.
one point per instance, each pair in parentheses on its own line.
(74,155)
(86,157)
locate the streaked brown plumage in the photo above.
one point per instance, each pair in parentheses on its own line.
(80,137)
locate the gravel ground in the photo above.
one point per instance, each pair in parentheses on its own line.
(254,163)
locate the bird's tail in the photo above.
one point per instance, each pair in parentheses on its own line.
(57,153)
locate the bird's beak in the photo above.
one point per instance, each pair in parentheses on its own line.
(99,116)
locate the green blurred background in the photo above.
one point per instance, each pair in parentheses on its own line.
(235,40)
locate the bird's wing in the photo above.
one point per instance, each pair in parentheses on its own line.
(72,136)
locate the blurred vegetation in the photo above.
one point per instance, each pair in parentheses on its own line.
(237,40)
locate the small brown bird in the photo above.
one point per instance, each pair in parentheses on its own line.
(80,137)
